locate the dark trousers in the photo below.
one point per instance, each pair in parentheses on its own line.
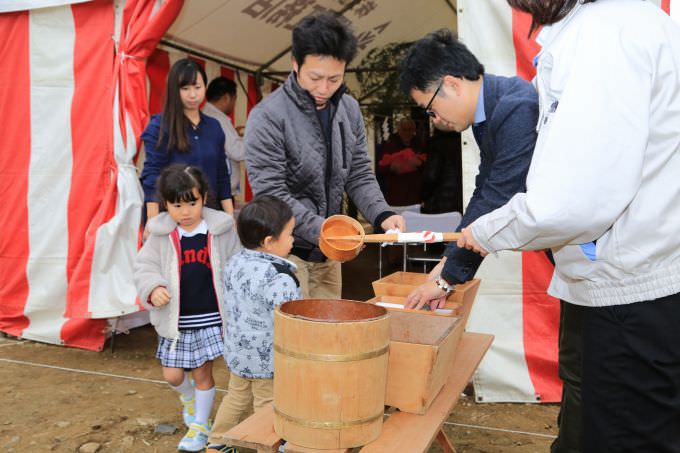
(631,377)
(570,439)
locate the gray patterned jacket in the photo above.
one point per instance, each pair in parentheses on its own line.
(254,283)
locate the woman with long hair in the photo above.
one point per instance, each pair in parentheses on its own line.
(182,134)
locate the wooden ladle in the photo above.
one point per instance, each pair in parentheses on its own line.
(342,238)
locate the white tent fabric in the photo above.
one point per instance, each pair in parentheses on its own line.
(503,374)
(25,5)
(250,33)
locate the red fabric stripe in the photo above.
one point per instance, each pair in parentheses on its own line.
(200,62)
(525,49)
(541,312)
(229,74)
(140,33)
(541,317)
(252,100)
(93,193)
(666,6)
(85,333)
(15,154)
(252,93)
(157,68)
(135,15)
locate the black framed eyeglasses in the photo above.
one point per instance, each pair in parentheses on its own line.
(429,112)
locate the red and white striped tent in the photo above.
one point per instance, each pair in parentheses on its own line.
(75,102)
(76,93)
(66,163)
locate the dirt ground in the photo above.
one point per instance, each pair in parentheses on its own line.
(60,399)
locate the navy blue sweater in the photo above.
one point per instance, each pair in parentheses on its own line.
(206,153)
(506,142)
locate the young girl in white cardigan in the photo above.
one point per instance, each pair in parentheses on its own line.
(177,274)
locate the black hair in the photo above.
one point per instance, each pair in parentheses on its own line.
(323,34)
(545,12)
(174,123)
(177,183)
(264,215)
(219,87)
(437,55)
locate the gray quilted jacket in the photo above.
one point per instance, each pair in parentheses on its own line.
(157,264)
(286,156)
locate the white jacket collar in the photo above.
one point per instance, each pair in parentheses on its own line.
(548,33)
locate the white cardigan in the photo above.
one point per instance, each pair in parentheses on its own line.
(158,264)
(607,161)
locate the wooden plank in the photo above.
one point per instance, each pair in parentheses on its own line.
(444,442)
(256,432)
(415,433)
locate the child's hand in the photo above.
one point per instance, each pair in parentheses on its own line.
(159,296)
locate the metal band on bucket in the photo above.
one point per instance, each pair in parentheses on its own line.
(327,425)
(332,357)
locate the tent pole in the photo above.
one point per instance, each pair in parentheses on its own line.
(205,56)
(453,7)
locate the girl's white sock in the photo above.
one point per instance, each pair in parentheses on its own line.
(204,402)
(185,388)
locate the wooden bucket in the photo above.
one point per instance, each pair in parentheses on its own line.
(340,225)
(330,372)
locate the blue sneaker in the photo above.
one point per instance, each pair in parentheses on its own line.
(195,439)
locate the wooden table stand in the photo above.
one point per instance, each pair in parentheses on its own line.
(402,431)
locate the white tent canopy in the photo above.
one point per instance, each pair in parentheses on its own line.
(256,34)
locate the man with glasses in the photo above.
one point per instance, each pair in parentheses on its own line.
(444,77)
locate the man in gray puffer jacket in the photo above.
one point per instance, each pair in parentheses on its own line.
(306,144)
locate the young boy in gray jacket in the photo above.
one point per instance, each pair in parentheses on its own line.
(256,280)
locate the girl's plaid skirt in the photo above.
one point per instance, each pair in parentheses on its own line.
(193,348)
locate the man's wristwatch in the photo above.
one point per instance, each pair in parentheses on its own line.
(443,284)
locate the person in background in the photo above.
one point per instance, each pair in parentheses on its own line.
(306,144)
(402,158)
(177,275)
(256,280)
(182,134)
(603,193)
(221,97)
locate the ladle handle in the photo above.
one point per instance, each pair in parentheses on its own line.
(392,237)
(446,237)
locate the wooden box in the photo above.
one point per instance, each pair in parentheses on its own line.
(400,284)
(422,349)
